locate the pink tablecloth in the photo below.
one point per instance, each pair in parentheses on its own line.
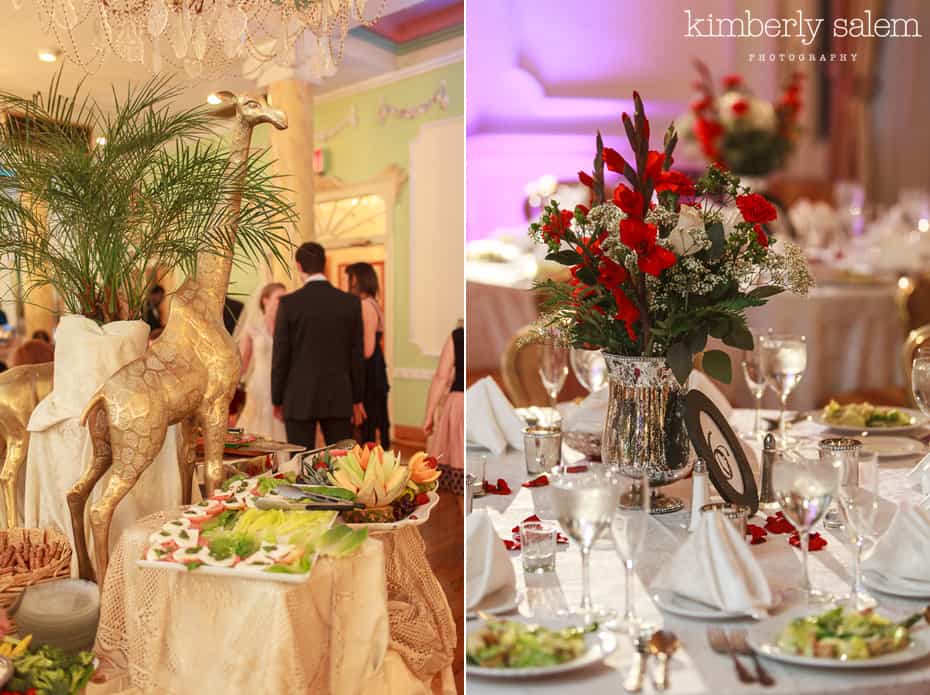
(494,315)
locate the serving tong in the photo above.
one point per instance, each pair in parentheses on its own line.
(318,501)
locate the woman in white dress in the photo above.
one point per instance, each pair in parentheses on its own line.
(255,335)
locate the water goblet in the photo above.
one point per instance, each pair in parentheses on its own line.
(584,504)
(755,380)
(783,359)
(859,501)
(629,529)
(804,487)
(553,367)
(589,368)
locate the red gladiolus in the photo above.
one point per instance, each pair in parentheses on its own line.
(707,132)
(611,274)
(732,81)
(654,161)
(612,160)
(556,227)
(583,209)
(585,179)
(761,236)
(626,312)
(740,107)
(641,238)
(701,104)
(755,208)
(630,201)
(676,182)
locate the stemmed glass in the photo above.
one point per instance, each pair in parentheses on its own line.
(783,359)
(584,505)
(553,368)
(755,380)
(920,388)
(628,528)
(859,501)
(804,487)
(589,368)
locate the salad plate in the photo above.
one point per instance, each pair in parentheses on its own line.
(596,647)
(419,515)
(893,447)
(763,638)
(504,600)
(896,586)
(676,604)
(915,419)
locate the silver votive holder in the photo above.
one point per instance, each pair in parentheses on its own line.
(736,514)
(843,454)
(542,448)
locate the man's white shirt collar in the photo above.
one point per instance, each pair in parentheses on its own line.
(316,277)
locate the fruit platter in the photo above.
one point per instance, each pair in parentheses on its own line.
(229,535)
(389,493)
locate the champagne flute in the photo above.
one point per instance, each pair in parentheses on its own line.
(589,368)
(859,501)
(584,505)
(755,380)
(783,359)
(804,487)
(628,528)
(553,368)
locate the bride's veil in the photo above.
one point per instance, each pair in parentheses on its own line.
(249,323)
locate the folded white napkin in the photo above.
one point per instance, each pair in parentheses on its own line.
(589,415)
(489,568)
(904,549)
(715,566)
(490,419)
(700,381)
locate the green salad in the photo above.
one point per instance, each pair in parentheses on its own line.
(844,635)
(864,415)
(508,644)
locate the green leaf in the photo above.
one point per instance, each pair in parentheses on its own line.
(717,365)
(717,240)
(765,291)
(680,360)
(739,337)
(565,257)
(697,341)
(720,326)
(587,275)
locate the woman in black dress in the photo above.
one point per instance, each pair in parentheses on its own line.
(363,283)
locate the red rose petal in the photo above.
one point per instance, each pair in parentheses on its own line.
(511,545)
(541,481)
(581,468)
(757,533)
(779,524)
(814,543)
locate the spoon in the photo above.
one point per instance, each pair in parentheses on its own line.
(634,679)
(662,645)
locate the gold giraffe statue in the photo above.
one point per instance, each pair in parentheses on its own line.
(188,375)
(21,389)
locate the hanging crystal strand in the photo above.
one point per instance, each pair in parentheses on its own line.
(199,38)
(157,19)
(177,36)
(156,55)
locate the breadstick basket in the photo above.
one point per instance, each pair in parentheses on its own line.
(30,556)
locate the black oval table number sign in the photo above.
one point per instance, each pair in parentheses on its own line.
(715,441)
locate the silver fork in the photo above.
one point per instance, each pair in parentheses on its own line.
(739,643)
(720,644)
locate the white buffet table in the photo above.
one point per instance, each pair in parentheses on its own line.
(695,669)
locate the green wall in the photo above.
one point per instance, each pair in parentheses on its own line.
(360,153)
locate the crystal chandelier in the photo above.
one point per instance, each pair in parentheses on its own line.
(204,37)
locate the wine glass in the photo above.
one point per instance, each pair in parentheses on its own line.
(553,368)
(783,359)
(628,528)
(859,501)
(584,505)
(920,378)
(589,368)
(804,487)
(755,380)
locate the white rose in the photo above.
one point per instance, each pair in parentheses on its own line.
(688,236)
(730,216)
(761,115)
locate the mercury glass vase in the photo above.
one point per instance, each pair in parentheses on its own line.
(645,425)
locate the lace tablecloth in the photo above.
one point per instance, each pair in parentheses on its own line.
(695,669)
(375,622)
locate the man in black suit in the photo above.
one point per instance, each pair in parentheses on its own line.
(317,367)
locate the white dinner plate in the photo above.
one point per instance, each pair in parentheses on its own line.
(918,419)
(895,586)
(504,600)
(419,515)
(763,637)
(893,447)
(676,604)
(598,646)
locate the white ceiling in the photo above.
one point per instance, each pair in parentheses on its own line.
(21,37)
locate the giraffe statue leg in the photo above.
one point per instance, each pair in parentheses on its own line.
(214,419)
(99,431)
(101,514)
(186,458)
(17,444)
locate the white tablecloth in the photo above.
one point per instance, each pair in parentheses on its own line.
(695,669)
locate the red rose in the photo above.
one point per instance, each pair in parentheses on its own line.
(611,274)
(676,182)
(732,81)
(761,236)
(755,208)
(707,132)
(630,201)
(585,179)
(612,160)
(740,107)
(626,312)
(641,238)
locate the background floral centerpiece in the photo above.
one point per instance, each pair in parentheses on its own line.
(739,131)
(657,268)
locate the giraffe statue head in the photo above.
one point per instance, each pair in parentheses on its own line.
(253,110)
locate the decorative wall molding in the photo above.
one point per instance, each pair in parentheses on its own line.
(412,373)
(391,77)
(440,98)
(350,120)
